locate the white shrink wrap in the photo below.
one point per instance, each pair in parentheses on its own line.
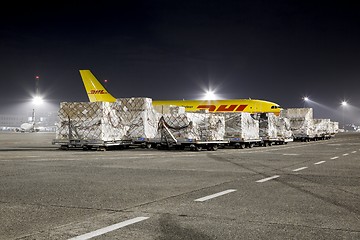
(334,127)
(195,126)
(304,113)
(89,121)
(241,126)
(125,119)
(301,122)
(139,117)
(322,127)
(267,126)
(169,109)
(283,128)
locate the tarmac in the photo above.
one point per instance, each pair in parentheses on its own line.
(302,190)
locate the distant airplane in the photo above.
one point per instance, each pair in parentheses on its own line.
(29,126)
(97,93)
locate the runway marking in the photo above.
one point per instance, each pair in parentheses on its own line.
(334,158)
(214,195)
(299,169)
(319,162)
(108,229)
(345,154)
(267,179)
(290,154)
(353,152)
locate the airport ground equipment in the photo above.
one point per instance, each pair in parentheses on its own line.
(305,128)
(274,129)
(105,124)
(89,126)
(135,122)
(194,131)
(242,130)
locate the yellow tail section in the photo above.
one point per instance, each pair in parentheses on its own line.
(94,89)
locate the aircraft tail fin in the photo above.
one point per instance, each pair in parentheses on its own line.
(94,89)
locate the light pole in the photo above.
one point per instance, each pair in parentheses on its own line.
(343,104)
(37,78)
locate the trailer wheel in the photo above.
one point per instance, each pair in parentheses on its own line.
(242,145)
(251,145)
(102,148)
(198,148)
(64,147)
(213,147)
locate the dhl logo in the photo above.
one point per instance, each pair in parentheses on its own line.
(223,108)
(97,92)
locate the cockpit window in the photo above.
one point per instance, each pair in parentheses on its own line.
(275,107)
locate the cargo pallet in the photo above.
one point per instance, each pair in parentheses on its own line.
(168,141)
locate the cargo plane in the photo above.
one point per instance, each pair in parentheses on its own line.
(29,126)
(97,93)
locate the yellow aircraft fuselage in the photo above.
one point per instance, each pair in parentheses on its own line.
(231,105)
(97,93)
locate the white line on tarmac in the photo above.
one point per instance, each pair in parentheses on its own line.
(345,154)
(334,158)
(108,229)
(319,162)
(214,195)
(299,169)
(267,179)
(290,154)
(353,152)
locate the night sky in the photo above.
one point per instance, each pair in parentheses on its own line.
(273,50)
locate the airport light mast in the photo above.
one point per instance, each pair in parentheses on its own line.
(37,99)
(343,104)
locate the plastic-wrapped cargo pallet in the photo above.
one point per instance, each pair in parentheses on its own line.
(334,128)
(267,126)
(301,122)
(241,126)
(197,126)
(284,131)
(89,121)
(125,119)
(138,116)
(322,128)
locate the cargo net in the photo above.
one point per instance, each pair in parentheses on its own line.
(192,126)
(241,125)
(125,119)
(89,121)
(138,116)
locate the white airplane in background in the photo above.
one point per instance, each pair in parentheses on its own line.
(29,126)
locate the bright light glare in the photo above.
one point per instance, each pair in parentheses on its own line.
(344,103)
(37,100)
(210,95)
(306,99)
